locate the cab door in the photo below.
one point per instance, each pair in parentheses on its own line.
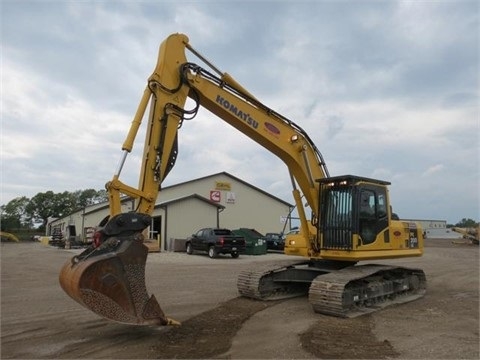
(372,215)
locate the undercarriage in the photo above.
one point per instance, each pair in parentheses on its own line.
(339,289)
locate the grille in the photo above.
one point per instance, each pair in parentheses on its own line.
(336,225)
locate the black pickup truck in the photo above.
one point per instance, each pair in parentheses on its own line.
(216,241)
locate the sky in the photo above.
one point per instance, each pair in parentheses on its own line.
(385,89)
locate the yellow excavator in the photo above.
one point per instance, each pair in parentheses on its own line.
(9,237)
(472,234)
(350,218)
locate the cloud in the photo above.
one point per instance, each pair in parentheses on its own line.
(385,89)
(433,170)
(51,139)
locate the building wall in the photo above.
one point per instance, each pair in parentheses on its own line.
(436,229)
(74,219)
(244,205)
(86,219)
(428,225)
(184,218)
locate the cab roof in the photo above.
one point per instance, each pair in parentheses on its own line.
(351,179)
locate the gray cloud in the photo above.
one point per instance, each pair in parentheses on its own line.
(386,89)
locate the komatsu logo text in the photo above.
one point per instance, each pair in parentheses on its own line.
(237,112)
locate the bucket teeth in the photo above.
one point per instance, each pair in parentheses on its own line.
(153,311)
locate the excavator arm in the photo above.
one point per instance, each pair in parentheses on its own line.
(167,96)
(109,276)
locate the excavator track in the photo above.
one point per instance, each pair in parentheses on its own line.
(358,290)
(262,282)
(334,289)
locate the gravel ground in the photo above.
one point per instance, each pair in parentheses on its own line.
(38,320)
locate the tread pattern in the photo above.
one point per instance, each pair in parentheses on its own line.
(327,293)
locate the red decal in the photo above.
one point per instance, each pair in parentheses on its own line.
(215,196)
(272,128)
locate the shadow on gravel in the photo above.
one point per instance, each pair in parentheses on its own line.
(336,338)
(209,334)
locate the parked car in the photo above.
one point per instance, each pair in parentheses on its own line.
(216,241)
(275,241)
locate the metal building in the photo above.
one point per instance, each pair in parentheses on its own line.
(217,200)
(435,228)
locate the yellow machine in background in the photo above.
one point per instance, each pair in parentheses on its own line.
(8,236)
(351,217)
(471,234)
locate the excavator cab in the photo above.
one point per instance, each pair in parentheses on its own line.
(108,278)
(354,211)
(356,221)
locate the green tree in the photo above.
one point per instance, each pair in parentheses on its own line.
(88,197)
(24,212)
(102,196)
(13,214)
(466,223)
(65,204)
(48,204)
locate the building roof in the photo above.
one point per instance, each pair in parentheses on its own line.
(234,178)
(192,196)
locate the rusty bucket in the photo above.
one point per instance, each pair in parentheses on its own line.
(110,281)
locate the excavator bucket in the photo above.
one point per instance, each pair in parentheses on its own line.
(109,279)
